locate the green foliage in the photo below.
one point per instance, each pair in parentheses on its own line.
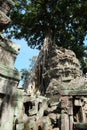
(26,73)
(32,62)
(66,21)
(25,77)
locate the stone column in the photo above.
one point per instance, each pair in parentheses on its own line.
(64,121)
(70,112)
(64,113)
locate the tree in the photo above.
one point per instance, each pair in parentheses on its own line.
(63,21)
(26,73)
(25,77)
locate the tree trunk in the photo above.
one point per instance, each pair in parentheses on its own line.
(49,41)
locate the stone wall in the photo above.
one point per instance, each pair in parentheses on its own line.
(9,75)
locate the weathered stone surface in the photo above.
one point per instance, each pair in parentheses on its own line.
(9,75)
(5,7)
(8,51)
(8,86)
(4,20)
(54,87)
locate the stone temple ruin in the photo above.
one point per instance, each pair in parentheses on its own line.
(56,97)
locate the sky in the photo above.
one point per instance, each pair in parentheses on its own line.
(24,55)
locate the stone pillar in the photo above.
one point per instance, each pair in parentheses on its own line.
(70,112)
(64,121)
(83,115)
(64,113)
(67,113)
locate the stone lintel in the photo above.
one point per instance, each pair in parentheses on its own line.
(79,92)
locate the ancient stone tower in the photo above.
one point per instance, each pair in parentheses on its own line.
(9,75)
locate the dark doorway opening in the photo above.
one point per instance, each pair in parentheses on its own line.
(27,106)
